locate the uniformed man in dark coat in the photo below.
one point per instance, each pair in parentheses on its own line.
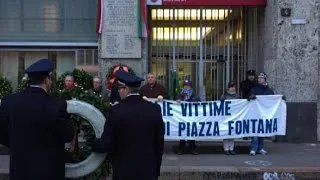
(133,133)
(35,127)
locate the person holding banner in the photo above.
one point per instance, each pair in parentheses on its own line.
(153,89)
(187,94)
(135,139)
(262,88)
(231,93)
(247,84)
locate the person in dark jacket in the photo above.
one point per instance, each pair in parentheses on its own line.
(97,88)
(153,89)
(262,88)
(35,127)
(114,95)
(231,93)
(133,133)
(187,94)
(248,83)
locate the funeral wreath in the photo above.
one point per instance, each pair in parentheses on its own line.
(6,87)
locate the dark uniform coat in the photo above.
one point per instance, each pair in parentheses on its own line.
(35,127)
(246,87)
(114,96)
(134,135)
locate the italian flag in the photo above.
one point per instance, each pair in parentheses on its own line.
(99,16)
(142,19)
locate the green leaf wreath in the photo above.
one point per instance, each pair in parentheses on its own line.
(82,91)
(22,86)
(6,87)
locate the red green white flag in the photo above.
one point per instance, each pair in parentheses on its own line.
(99,16)
(142,19)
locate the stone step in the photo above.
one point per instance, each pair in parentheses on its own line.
(212,147)
(233,173)
(205,147)
(242,173)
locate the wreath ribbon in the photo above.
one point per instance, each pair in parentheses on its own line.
(113,75)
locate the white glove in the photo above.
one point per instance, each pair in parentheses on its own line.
(160,98)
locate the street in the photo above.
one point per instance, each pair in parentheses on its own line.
(290,161)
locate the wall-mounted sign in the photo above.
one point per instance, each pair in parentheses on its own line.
(207,2)
(298,21)
(119,39)
(285,12)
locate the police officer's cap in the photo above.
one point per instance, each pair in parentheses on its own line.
(43,66)
(251,72)
(128,79)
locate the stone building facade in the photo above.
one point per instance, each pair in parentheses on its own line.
(208,42)
(286,48)
(291,58)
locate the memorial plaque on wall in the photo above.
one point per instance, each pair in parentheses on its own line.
(119,38)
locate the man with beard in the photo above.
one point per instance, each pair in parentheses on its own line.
(133,133)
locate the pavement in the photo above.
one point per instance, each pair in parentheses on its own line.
(284,161)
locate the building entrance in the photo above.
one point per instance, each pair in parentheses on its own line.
(207,45)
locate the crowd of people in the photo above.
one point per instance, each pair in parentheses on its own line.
(250,87)
(254,84)
(135,140)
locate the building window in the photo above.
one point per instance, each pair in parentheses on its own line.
(48,20)
(87,59)
(51,18)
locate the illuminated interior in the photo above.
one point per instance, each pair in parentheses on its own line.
(189,14)
(180,33)
(185,31)
(182,38)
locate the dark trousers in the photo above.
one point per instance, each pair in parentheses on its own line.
(192,144)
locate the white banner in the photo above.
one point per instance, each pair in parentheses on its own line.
(263,117)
